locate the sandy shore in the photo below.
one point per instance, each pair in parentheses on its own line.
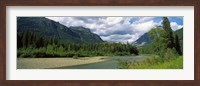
(40,63)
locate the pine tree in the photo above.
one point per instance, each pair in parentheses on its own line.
(39,42)
(169,32)
(19,41)
(177,45)
(25,39)
(34,39)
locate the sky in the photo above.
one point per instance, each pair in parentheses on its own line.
(118,29)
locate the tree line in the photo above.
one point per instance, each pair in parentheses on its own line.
(30,44)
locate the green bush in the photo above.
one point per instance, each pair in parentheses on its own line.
(75,57)
(80,50)
(122,53)
(155,61)
(122,64)
(170,54)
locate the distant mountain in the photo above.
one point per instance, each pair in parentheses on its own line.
(49,28)
(180,33)
(144,39)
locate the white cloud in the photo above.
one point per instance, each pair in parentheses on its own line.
(175,26)
(113,20)
(115,29)
(146,26)
(143,19)
(120,38)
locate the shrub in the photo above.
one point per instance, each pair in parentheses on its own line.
(122,53)
(75,57)
(122,64)
(170,54)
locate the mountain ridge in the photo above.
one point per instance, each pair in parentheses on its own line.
(49,28)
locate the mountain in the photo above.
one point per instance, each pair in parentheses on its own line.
(144,39)
(85,34)
(51,29)
(180,33)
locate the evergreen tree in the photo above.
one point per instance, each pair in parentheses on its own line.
(169,32)
(41,46)
(41,42)
(34,40)
(19,41)
(177,45)
(159,41)
(25,39)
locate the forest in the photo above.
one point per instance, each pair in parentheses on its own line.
(31,45)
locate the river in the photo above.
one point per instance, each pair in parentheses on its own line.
(99,62)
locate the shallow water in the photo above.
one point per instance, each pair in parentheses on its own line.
(99,62)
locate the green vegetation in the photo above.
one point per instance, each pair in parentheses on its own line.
(36,46)
(176,63)
(179,33)
(76,50)
(180,36)
(164,50)
(41,37)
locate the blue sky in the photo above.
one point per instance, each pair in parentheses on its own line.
(178,20)
(119,29)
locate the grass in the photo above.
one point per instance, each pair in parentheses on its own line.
(176,63)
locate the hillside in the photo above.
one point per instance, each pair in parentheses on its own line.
(86,35)
(145,39)
(180,33)
(48,28)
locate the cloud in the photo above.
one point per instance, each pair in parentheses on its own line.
(120,38)
(144,19)
(175,26)
(146,26)
(115,29)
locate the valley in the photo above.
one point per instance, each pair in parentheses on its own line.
(43,43)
